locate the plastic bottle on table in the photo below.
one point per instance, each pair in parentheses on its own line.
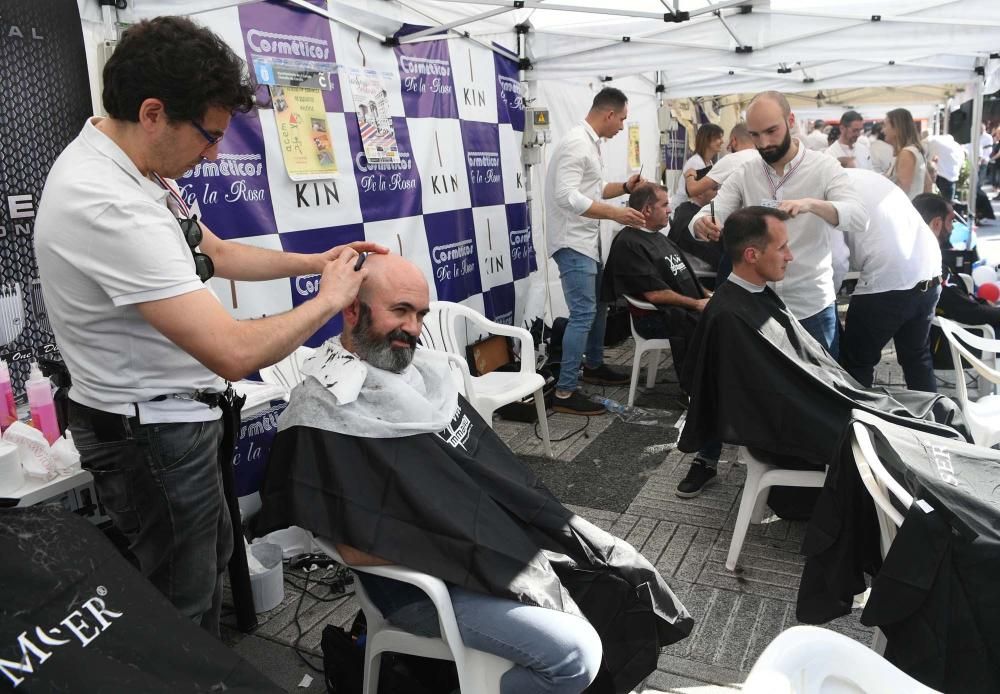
(8,410)
(43,409)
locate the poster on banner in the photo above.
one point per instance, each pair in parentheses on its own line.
(44,101)
(371,101)
(303,133)
(634,159)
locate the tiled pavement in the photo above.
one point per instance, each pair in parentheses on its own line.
(737,614)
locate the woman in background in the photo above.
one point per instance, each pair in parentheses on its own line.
(909,171)
(707,145)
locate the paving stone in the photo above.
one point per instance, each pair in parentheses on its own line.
(768,584)
(741,627)
(661,681)
(657,540)
(715,626)
(641,531)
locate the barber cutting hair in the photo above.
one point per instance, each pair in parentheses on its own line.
(123,264)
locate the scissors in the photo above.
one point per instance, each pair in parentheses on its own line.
(361,260)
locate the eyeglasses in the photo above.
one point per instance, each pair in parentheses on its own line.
(203,264)
(209,137)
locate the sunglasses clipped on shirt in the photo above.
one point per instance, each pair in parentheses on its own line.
(203,264)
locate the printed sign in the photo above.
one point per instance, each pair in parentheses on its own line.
(371,101)
(303,133)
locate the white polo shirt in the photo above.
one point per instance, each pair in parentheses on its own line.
(859,152)
(899,249)
(574,180)
(808,284)
(105,241)
(730,163)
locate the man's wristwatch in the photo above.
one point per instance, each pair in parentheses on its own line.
(625,187)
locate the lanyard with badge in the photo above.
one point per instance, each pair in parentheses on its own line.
(775,198)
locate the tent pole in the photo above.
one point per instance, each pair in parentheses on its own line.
(977,123)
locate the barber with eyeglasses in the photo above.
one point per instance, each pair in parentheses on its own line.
(123,262)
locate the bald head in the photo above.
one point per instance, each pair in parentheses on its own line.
(388,270)
(775,98)
(384,322)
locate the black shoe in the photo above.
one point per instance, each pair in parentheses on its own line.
(698,476)
(577,403)
(604,375)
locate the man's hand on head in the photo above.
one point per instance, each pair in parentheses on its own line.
(635,180)
(707,229)
(629,217)
(323,259)
(340,282)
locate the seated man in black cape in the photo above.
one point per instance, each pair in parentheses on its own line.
(648,265)
(378,453)
(758,379)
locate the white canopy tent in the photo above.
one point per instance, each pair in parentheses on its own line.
(827,56)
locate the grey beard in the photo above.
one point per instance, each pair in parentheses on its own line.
(377,350)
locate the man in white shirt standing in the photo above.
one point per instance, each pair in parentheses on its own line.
(881,151)
(851,149)
(816,139)
(950,157)
(900,264)
(574,193)
(122,264)
(814,190)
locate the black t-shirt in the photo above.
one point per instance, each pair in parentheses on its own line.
(643,261)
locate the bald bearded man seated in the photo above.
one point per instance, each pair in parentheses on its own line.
(379,453)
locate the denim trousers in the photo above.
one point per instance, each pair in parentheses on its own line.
(901,316)
(553,652)
(161,486)
(825,329)
(580,276)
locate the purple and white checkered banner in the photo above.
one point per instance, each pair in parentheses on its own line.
(453,203)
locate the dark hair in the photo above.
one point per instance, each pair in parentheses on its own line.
(706,133)
(931,206)
(877,132)
(819,124)
(906,130)
(609,98)
(748,227)
(645,195)
(833,135)
(174,60)
(850,117)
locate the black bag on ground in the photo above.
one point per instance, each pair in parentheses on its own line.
(344,666)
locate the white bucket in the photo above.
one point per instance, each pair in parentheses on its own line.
(268,587)
(11,472)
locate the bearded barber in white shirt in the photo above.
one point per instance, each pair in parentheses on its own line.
(811,187)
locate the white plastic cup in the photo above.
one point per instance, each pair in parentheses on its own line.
(11,472)
(268,587)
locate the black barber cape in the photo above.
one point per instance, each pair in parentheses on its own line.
(936,596)
(460,506)
(76,616)
(643,261)
(756,378)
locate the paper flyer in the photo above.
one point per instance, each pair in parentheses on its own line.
(371,103)
(303,133)
(634,161)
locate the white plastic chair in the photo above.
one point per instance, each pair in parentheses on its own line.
(642,345)
(984,385)
(287,373)
(497,388)
(811,660)
(982,415)
(478,672)
(762,476)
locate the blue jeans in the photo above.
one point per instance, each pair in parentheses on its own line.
(825,329)
(904,317)
(581,280)
(553,652)
(161,486)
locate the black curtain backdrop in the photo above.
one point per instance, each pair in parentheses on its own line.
(44,101)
